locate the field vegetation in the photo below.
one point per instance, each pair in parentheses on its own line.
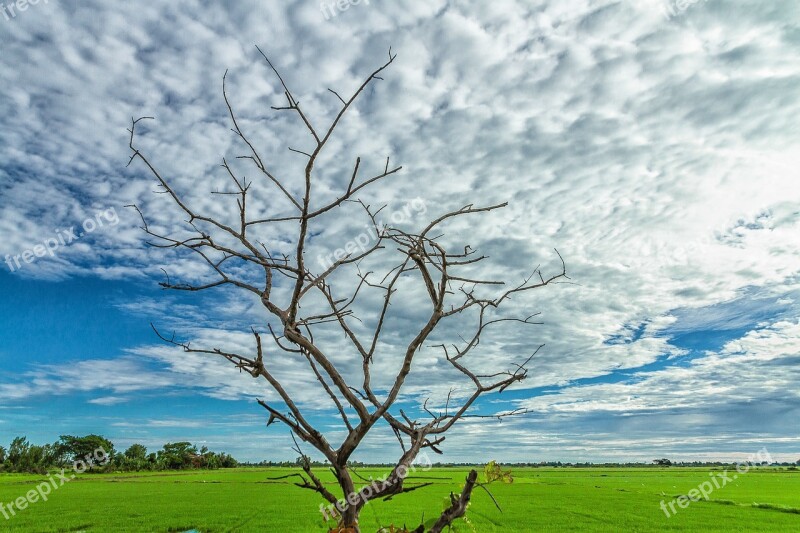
(539,499)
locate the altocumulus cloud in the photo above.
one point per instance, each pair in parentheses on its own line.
(657,155)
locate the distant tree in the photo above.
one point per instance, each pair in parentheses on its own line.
(133,459)
(22,456)
(17,450)
(19,455)
(45,456)
(207,458)
(177,455)
(136,452)
(662,462)
(211,460)
(91,448)
(227,461)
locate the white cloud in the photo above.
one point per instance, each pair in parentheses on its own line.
(657,156)
(109,400)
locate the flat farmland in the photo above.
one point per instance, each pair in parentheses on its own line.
(540,499)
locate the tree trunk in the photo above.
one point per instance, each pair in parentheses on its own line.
(350,514)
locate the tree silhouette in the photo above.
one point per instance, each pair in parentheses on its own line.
(307,302)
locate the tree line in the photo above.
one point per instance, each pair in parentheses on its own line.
(23,456)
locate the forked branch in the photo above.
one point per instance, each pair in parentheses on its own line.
(301,302)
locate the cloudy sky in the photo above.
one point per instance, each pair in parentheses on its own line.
(656,148)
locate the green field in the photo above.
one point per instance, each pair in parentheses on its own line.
(540,499)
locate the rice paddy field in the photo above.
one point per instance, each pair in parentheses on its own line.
(540,499)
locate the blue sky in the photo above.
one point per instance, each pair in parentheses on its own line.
(659,155)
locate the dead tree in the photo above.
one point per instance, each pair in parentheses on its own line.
(421,257)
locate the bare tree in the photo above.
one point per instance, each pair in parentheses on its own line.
(421,257)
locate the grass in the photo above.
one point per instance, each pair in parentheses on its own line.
(541,499)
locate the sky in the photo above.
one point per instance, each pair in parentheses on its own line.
(656,147)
